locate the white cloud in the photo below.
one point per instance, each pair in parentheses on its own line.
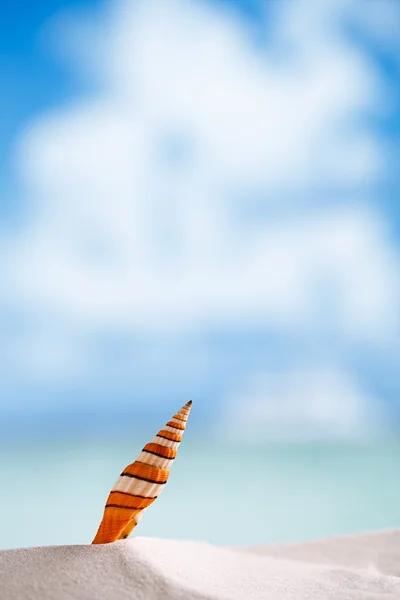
(46,356)
(133,189)
(381,22)
(319,401)
(189,69)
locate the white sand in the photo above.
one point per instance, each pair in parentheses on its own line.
(364,566)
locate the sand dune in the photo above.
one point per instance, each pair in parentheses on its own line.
(365,566)
(374,550)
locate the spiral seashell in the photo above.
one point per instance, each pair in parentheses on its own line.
(141,482)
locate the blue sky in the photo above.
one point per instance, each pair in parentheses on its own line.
(31,79)
(200,199)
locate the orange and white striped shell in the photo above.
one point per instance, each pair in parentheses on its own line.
(141,482)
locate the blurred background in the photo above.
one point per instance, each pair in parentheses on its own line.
(200,199)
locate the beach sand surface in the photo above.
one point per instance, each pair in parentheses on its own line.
(363,566)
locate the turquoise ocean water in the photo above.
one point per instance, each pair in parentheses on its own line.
(54,493)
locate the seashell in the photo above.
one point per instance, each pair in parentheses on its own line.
(141,482)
